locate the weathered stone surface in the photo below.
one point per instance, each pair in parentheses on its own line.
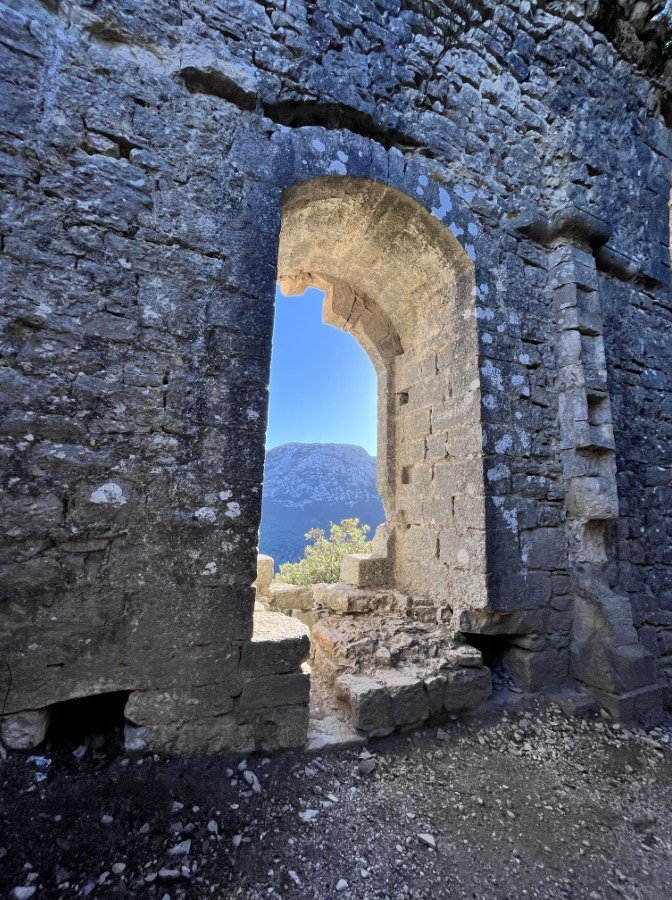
(211,735)
(466,688)
(517,314)
(366,571)
(282,729)
(642,706)
(24,730)
(344,598)
(165,707)
(592,499)
(534,670)
(275,691)
(368,702)
(279,645)
(410,706)
(265,571)
(289,596)
(435,686)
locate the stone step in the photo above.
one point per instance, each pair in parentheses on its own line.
(289,596)
(343,598)
(366,570)
(280,644)
(331,732)
(643,706)
(386,700)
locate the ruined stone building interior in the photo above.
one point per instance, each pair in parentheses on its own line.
(490,222)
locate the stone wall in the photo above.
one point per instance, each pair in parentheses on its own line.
(145,149)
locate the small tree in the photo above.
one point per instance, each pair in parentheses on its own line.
(322,559)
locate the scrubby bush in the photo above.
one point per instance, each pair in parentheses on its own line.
(322,558)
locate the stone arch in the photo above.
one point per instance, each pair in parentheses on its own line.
(401,283)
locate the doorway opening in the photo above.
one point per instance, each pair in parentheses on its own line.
(321,437)
(385,639)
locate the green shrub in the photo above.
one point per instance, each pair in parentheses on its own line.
(322,558)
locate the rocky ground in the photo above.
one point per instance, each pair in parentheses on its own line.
(522,804)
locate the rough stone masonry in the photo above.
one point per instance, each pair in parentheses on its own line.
(483,197)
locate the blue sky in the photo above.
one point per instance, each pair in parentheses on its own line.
(323,386)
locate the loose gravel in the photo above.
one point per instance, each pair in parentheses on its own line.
(526,803)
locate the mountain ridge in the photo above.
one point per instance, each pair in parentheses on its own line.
(310,485)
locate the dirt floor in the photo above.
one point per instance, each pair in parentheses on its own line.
(523,804)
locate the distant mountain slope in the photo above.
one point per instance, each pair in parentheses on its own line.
(310,485)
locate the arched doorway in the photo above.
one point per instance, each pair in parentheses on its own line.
(384,639)
(400,282)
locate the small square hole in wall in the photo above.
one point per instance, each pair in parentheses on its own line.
(406,474)
(94,721)
(403,398)
(598,412)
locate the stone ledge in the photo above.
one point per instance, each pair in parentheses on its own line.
(386,700)
(344,598)
(279,645)
(289,596)
(274,691)
(643,706)
(366,571)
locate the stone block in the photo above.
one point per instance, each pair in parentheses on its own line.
(290,596)
(410,706)
(470,591)
(307,617)
(279,645)
(463,549)
(466,688)
(464,655)
(325,637)
(525,590)
(25,730)
(664,646)
(469,512)
(324,666)
(333,596)
(343,598)
(435,686)
(535,670)
(158,708)
(275,691)
(544,548)
(592,498)
(633,667)
(283,729)
(211,735)
(366,571)
(369,704)
(265,572)
(643,706)
(280,728)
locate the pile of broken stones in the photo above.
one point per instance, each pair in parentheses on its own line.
(382,654)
